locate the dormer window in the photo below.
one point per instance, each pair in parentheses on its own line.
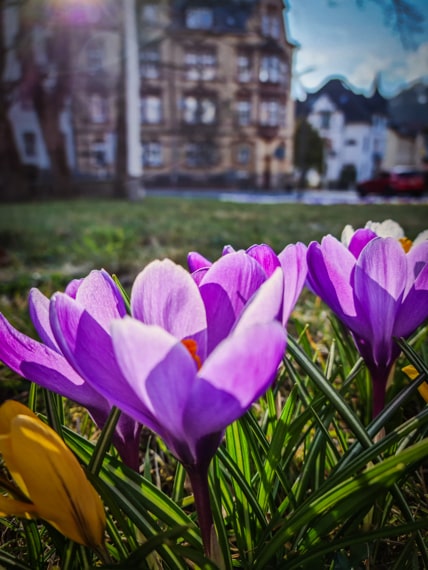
(199,18)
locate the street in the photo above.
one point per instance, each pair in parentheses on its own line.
(321,197)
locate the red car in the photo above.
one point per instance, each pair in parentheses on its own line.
(401,180)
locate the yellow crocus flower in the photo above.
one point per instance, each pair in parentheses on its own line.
(412,373)
(51,484)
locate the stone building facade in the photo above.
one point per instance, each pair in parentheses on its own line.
(215,93)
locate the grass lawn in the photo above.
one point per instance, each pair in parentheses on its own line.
(300,459)
(46,244)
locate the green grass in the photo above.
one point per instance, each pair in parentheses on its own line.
(48,243)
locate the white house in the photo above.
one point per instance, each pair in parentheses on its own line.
(354,130)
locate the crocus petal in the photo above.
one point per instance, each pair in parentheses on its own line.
(38,306)
(88,347)
(293,262)
(379,283)
(86,344)
(228,249)
(161,380)
(14,508)
(265,305)
(417,259)
(266,256)
(99,285)
(330,265)
(165,294)
(359,240)
(387,228)
(197,261)
(56,483)
(226,287)
(42,365)
(234,376)
(73,287)
(414,309)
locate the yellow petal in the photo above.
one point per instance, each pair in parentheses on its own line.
(13,508)
(412,373)
(8,411)
(55,481)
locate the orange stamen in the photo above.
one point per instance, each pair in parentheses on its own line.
(192,347)
(406,244)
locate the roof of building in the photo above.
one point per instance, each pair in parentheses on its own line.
(357,108)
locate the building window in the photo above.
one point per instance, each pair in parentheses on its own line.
(351,142)
(272,114)
(271,25)
(243,112)
(150,63)
(150,14)
(199,18)
(273,70)
(98,109)
(200,155)
(325,119)
(94,56)
(243,154)
(244,68)
(152,154)
(199,110)
(29,140)
(151,109)
(200,64)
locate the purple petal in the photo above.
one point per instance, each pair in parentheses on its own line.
(199,274)
(86,345)
(161,381)
(266,256)
(265,305)
(234,376)
(417,259)
(38,306)
(414,309)
(46,367)
(294,266)
(228,249)
(359,240)
(165,294)
(197,261)
(379,283)
(101,297)
(330,265)
(73,287)
(226,287)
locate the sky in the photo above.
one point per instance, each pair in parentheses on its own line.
(339,38)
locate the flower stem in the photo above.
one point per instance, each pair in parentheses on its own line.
(199,480)
(104,441)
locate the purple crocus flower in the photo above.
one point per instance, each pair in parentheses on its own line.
(44,364)
(260,259)
(377,290)
(159,366)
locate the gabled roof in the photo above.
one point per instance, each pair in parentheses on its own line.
(356,108)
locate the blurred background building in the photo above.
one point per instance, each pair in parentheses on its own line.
(106,97)
(213,93)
